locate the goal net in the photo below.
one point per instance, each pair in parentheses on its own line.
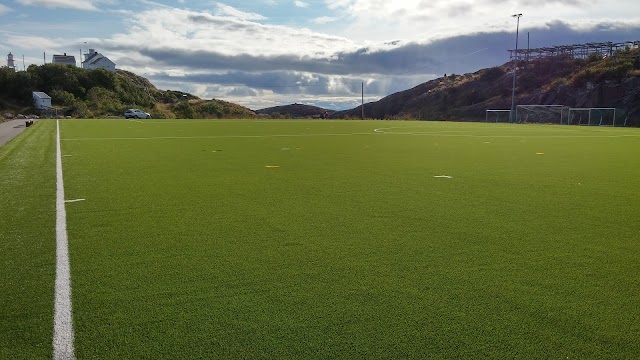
(542,114)
(593,117)
(498,116)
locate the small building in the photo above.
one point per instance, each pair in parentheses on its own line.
(41,101)
(64,59)
(95,60)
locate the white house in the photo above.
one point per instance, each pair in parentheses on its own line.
(64,60)
(41,101)
(95,60)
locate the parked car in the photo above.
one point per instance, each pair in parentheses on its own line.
(136,113)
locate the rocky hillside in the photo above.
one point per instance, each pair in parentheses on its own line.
(592,82)
(84,93)
(295,111)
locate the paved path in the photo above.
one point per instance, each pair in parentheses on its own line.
(10,129)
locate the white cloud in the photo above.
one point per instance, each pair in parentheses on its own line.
(69,4)
(436,19)
(4,9)
(324,20)
(154,4)
(187,30)
(226,10)
(122,12)
(31,42)
(300,4)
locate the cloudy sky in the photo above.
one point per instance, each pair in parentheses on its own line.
(262,53)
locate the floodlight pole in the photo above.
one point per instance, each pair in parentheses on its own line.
(362,115)
(515,65)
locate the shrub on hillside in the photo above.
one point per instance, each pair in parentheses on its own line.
(557,83)
(602,72)
(62,97)
(103,101)
(183,110)
(492,74)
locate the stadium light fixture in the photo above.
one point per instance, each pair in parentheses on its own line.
(515,65)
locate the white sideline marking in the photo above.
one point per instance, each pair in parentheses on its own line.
(62,321)
(74,200)
(443,176)
(466,133)
(216,136)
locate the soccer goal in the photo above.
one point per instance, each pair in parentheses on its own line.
(542,114)
(593,117)
(498,116)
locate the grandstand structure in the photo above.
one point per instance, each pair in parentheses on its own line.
(580,51)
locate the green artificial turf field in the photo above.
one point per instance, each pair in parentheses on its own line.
(324,239)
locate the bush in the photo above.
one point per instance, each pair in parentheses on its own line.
(492,74)
(103,101)
(62,97)
(79,109)
(558,83)
(183,110)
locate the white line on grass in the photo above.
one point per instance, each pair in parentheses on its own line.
(465,133)
(62,321)
(215,136)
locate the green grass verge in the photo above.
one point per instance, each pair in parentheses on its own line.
(27,243)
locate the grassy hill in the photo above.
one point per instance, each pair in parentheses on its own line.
(593,82)
(84,93)
(295,111)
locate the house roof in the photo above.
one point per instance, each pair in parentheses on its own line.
(100,58)
(95,54)
(41,95)
(64,58)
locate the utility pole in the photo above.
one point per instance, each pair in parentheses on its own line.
(528,47)
(363,100)
(515,65)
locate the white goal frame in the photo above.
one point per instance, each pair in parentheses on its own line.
(558,112)
(497,112)
(591,120)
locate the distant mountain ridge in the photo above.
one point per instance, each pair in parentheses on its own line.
(296,111)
